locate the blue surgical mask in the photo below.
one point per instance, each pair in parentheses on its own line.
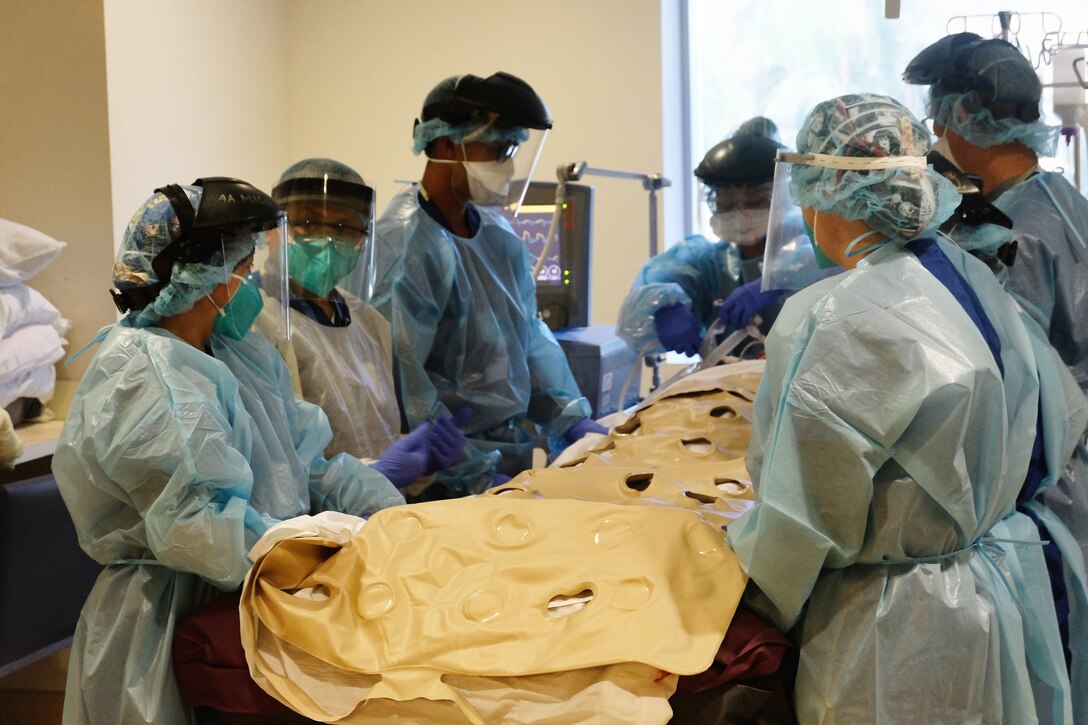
(822,260)
(241,311)
(319,263)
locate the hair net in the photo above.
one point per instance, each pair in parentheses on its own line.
(428,131)
(151,229)
(965,114)
(317,168)
(900,202)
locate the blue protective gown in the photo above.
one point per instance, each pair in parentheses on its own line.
(173,463)
(1050,276)
(1050,280)
(466,334)
(1063,417)
(697,273)
(887,443)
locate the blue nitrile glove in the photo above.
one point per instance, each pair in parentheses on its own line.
(447,442)
(407,459)
(583,426)
(746,302)
(498,479)
(677,329)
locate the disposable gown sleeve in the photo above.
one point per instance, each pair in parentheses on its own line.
(842,405)
(695,272)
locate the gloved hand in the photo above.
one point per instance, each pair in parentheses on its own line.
(746,302)
(407,459)
(583,426)
(677,329)
(447,442)
(498,479)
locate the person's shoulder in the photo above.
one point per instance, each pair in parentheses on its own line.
(1045,187)
(255,345)
(1048,208)
(1065,193)
(698,241)
(150,362)
(403,212)
(365,316)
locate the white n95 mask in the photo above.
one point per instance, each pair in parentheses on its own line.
(740,226)
(489,181)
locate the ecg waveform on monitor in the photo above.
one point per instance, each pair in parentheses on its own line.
(533,231)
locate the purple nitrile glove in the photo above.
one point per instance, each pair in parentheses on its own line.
(447,442)
(583,426)
(407,459)
(498,479)
(745,302)
(677,329)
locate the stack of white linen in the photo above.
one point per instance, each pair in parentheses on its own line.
(31,328)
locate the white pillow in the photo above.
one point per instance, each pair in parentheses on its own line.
(21,305)
(27,348)
(24,252)
(38,383)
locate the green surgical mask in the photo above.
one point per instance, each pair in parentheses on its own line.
(822,260)
(319,263)
(238,315)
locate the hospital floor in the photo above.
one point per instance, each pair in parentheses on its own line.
(34,695)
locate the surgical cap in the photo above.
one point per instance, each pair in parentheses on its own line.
(149,232)
(428,131)
(965,114)
(900,202)
(1009,80)
(325,181)
(317,168)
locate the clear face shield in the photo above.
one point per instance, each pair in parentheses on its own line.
(329,223)
(270,268)
(524,165)
(789,260)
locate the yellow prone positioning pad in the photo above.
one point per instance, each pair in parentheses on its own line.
(719,491)
(488,586)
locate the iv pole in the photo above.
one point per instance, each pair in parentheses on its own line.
(650,182)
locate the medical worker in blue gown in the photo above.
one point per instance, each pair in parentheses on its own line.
(893,431)
(679,293)
(185,442)
(984,97)
(456,283)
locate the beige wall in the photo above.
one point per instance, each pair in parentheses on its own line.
(55,153)
(196,88)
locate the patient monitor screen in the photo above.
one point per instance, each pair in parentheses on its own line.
(568,258)
(531,224)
